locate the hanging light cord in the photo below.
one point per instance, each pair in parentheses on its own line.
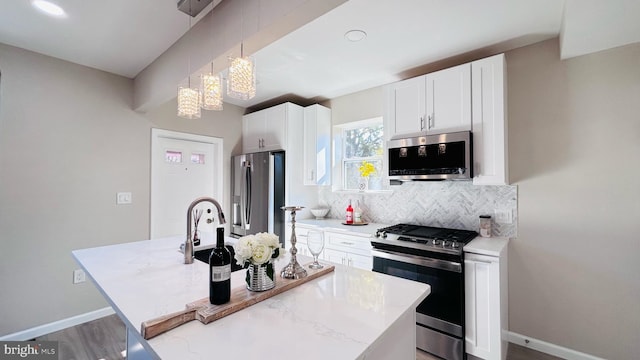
(189,56)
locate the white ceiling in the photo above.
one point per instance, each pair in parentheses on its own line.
(315,61)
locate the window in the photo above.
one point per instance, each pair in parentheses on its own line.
(362,152)
(172,156)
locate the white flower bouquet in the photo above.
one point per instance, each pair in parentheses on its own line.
(259,250)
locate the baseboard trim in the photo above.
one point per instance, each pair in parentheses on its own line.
(549,348)
(45,329)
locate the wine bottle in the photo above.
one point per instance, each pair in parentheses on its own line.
(219,271)
(349,219)
(357,213)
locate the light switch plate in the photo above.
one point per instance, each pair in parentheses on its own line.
(123,198)
(78,276)
(503,216)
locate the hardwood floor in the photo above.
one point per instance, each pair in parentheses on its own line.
(106,339)
(99,339)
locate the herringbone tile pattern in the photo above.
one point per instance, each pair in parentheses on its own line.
(452,204)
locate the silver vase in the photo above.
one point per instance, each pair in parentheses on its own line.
(258,279)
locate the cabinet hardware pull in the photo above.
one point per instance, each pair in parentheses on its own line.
(421,123)
(347,243)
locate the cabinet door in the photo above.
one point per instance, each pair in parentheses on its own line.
(334,256)
(449,100)
(359,261)
(406,107)
(316,147)
(489,122)
(252,131)
(275,128)
(482,307)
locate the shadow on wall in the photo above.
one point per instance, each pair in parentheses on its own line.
(541,141)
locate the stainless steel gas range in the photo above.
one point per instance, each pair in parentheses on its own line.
(433,256)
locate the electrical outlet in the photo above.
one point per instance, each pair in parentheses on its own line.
(78,276)
(503,216)
(123,198)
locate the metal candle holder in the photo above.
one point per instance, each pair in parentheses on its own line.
(293,270)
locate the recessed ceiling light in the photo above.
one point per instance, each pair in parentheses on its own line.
(49,8)
(355,35)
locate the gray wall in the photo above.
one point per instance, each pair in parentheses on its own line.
(573,269)
(574,137)
(68,142)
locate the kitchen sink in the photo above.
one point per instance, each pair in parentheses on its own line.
(203,255)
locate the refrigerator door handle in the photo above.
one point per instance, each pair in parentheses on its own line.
(246,201)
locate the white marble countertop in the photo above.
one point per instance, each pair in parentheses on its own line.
(338,316)
(492,246)
(336,225)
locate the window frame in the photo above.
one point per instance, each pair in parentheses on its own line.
(339,149)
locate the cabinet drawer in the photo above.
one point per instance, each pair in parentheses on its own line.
(348,243)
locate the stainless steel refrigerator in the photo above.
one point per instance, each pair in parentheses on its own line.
(257,194)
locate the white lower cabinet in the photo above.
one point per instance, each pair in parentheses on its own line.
(352,249)
(348,259)
(486,305)
(348,249)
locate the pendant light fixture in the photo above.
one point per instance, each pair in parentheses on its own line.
(211,91)
(241,81)
(189,102)
(189,98)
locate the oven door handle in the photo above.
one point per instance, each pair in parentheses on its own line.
(418,260)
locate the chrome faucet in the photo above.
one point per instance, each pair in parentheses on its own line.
(188,245)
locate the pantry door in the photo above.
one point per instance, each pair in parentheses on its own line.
(183,168)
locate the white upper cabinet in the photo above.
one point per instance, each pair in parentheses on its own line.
(430,104)
(406,107)
(253,127)
(490,146)
(449,100)
(317,145)
(265,130)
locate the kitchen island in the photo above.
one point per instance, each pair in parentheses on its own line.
(347,314)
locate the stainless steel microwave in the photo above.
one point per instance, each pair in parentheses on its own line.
(432,157)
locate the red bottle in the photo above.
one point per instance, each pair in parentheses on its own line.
(349,219)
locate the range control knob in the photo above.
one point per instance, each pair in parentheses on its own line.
(455,244)
(446,243)
(435,242)
(384,234)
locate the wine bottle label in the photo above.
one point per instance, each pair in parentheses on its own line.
(349,216)
(220,273)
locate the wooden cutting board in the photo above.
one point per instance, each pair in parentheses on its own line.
(240,298)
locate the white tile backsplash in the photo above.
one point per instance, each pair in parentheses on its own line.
(452,204)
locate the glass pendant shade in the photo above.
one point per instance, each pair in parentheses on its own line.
(211,92)
(189,103)
(241,82)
